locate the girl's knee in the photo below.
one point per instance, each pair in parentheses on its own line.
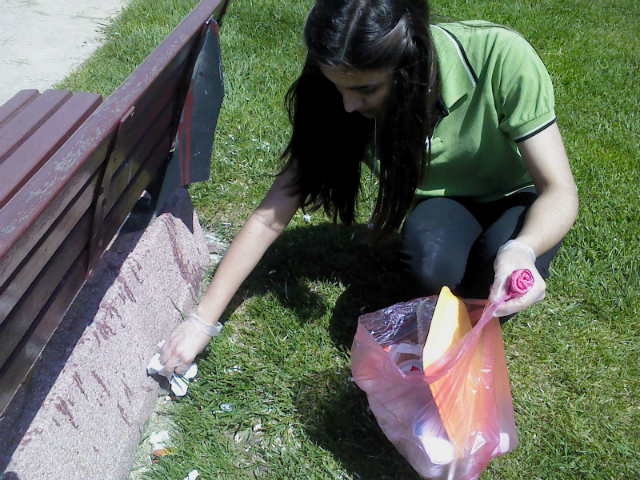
(433,272)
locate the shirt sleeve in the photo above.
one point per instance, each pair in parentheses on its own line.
(524,98)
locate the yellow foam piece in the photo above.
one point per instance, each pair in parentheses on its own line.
(449,324)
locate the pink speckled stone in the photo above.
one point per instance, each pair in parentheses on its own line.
(81,412)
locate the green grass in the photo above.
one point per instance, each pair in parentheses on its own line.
(283,358)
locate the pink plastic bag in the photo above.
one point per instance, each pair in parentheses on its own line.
(385,361)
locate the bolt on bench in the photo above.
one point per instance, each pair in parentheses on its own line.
(72,167)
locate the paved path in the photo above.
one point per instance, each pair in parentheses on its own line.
(43,40)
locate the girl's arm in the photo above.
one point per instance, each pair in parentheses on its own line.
(555,210)
(547,221)
(264,225)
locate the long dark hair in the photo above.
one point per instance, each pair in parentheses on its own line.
(327,143)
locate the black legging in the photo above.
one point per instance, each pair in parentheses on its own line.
(453,242)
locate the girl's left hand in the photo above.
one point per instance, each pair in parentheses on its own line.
(515,256)
(181,348)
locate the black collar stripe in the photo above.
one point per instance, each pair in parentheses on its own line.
(462,53)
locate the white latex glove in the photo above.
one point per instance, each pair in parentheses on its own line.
(181,348)
(513,256)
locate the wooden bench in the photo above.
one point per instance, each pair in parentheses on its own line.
(71,169)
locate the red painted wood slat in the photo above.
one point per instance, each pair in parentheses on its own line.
(22,125)
(39,147)
(127,200)
(16,104)
(36,297)
(160,127)
(14,371)
(32,210)
(149,105)
(12,291)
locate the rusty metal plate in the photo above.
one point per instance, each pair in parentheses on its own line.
(191,161)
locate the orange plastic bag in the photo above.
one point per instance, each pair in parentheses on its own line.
(454,435)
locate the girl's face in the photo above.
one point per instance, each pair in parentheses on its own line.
(364,92)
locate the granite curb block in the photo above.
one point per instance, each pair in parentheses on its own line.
(82,410)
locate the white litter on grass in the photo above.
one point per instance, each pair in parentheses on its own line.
(193,474)
(234,369)
(224,407)
(179,383)
(160,440)
(307,218)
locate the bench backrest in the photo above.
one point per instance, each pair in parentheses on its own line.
(71,169)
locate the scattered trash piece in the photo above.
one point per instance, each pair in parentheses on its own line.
(243,436)
(215,244)
(193,474)
(226,407)
(161,445)
(160,440)
(179,383)
(307,218)
(163,452)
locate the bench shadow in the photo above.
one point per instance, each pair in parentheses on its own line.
(32,393)
(339,421)
(17,418)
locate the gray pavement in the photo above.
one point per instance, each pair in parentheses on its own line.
(41,41)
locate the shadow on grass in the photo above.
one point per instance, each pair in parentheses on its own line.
(372,275)
(334,411)
(341,423)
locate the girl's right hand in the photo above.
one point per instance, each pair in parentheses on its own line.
(181,348)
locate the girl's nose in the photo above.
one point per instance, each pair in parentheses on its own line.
(351,101)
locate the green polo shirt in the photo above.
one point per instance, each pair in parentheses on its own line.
(497,92)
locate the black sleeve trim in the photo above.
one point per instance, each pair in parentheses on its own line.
(532,134)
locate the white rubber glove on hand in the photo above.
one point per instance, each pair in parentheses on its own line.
(513,256)
(181,348)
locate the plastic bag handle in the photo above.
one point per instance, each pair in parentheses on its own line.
(520,283)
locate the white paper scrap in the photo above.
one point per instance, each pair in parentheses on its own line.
(193,474)
(159,440)
(179,383)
